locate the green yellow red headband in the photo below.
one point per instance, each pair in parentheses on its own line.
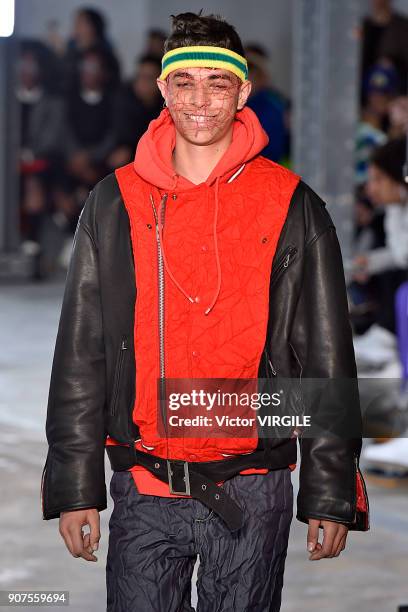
(204,57)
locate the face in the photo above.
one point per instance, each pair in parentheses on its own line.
(29,72)
(379,103)
(91,72)
(381,188)
(203,102)
(145,81)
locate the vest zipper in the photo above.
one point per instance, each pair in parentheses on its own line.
(161,293)
(118,372)
(283,263)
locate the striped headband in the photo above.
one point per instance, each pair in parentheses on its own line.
(204,57)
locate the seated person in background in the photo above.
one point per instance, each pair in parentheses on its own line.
(88,33)
(380,90)
(137,103)
(398,113)
(368,234)
(89,137)
(386,187)
(40,141)
(270,106)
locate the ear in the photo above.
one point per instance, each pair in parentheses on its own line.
(243,95)
(162,85)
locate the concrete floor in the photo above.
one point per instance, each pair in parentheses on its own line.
(371,575)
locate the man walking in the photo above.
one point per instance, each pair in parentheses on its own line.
(199,260)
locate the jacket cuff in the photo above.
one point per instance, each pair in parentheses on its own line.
(57,497)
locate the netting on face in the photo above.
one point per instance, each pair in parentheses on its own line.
(202,100)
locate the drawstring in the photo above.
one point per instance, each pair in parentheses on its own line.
(169,272)
(217,255)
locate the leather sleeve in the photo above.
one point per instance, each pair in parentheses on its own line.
(74,475)
(321,336)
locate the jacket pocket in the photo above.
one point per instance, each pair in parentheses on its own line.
(282,263)
(118,374)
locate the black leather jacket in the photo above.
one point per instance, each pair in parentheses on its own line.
(92,385)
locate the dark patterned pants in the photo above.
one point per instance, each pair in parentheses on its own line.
(154,542)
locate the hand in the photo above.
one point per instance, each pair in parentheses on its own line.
(360,263)
(70,527)
(334,539)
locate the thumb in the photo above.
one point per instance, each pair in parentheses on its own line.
(94,526)
(312,534)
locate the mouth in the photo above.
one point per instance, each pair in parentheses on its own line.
(200,119)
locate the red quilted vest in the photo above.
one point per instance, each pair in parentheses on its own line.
(219,239)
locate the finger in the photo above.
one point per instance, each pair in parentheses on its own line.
(78,544)
(87,544)
(67,539)
(337,539)
(312,534)
(329,532)
(341,546)
(95,534)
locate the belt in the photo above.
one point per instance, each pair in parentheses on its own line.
(199,479)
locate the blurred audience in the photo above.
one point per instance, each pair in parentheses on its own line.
(137,103)
(386,188)
(155,42)
(89,124)
(384,33)
(270,105)
(368,235)
(381,89)
(40,141)
(89,34)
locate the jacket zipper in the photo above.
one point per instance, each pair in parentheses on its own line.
(161,293)
(118,372)
(283,263)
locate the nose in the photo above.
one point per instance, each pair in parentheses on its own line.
(200,97)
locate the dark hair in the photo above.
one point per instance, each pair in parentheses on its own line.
(157,33)
(191,29)
(97,20)
(148,58)
(257,49)
(391,157)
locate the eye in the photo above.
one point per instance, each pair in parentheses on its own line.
(186,84)
(219,87)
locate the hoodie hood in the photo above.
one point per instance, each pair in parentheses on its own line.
(153,163)
(153,159)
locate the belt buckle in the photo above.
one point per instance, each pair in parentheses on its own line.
(186,477)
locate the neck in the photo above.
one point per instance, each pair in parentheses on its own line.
(196,162)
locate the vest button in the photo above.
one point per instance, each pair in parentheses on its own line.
(204,248)
(195,353)
(197,299)
(174,196)
(192,457)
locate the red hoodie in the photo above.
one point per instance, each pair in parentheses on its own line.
(218,242)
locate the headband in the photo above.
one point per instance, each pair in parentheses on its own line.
(204,57)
